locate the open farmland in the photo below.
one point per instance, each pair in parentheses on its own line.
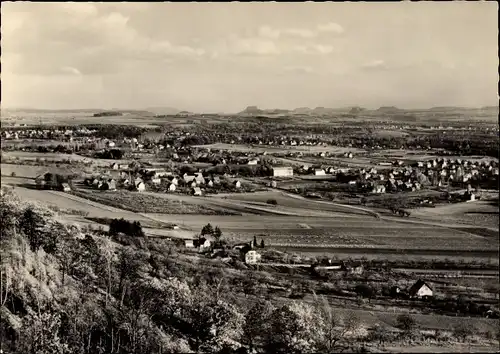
(28,171)
(280,149)
(146,203)
(478,213)
(290,201)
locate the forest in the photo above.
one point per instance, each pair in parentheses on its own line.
(69,290)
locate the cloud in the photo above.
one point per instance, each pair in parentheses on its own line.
(299,69)
(314,49)
(331,27)
(268,32)
(374,64)
(70,70)
(274,33)
(300,32)
(90,36)
(253,46)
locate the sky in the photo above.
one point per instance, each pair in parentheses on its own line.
(213,57)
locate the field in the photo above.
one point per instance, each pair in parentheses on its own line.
(280,149)
(146,203)
(478,213)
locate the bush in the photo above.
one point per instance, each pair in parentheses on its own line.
(123,226)
(13,174)
(272,201)
(406,323)
(463,330)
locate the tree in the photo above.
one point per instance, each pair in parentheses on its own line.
(262,245)
(40,334)
(207,230)
(254,243)
(381,334)
(217,234)
(257,324)
(334,327)
(293,329)
(31,225)
(407,324)
(364,290)
(463,330)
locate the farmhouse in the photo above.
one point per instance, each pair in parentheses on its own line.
(172,187)
(282,171)
(237,184)
(252,257)
(140,186)
(319,172)
(208,241)
(378,189)
(354,268)
(196,191)
(252,162)
(189,243)
(65,187)
(420,290)
(108,185)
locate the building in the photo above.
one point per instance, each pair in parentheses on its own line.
(282,171)
(172,187)
(253,162)
(354,268)
(108,185)
(140,186)
(237,184)
(420,290)
(379,189)
(189,243)
(207,244)
(156,180)
(65,187)
(273,184)
(252,257)
(319,172)
(196,191)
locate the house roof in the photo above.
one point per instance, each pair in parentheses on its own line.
(417,286)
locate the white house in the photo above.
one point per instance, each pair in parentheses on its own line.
(156,180)
(420,289)
(253,162)
(252,257)
(282,171)
(196,191)
(140,186)
(237,184)
(172,187)
(319,172)
(379,189)
(189,243)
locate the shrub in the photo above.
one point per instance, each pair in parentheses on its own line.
(463,330)
(406,323)
(13,174)
(272,201)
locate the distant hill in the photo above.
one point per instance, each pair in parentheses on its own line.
(163,110)
(388,109)
(36,110)
(252,110)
